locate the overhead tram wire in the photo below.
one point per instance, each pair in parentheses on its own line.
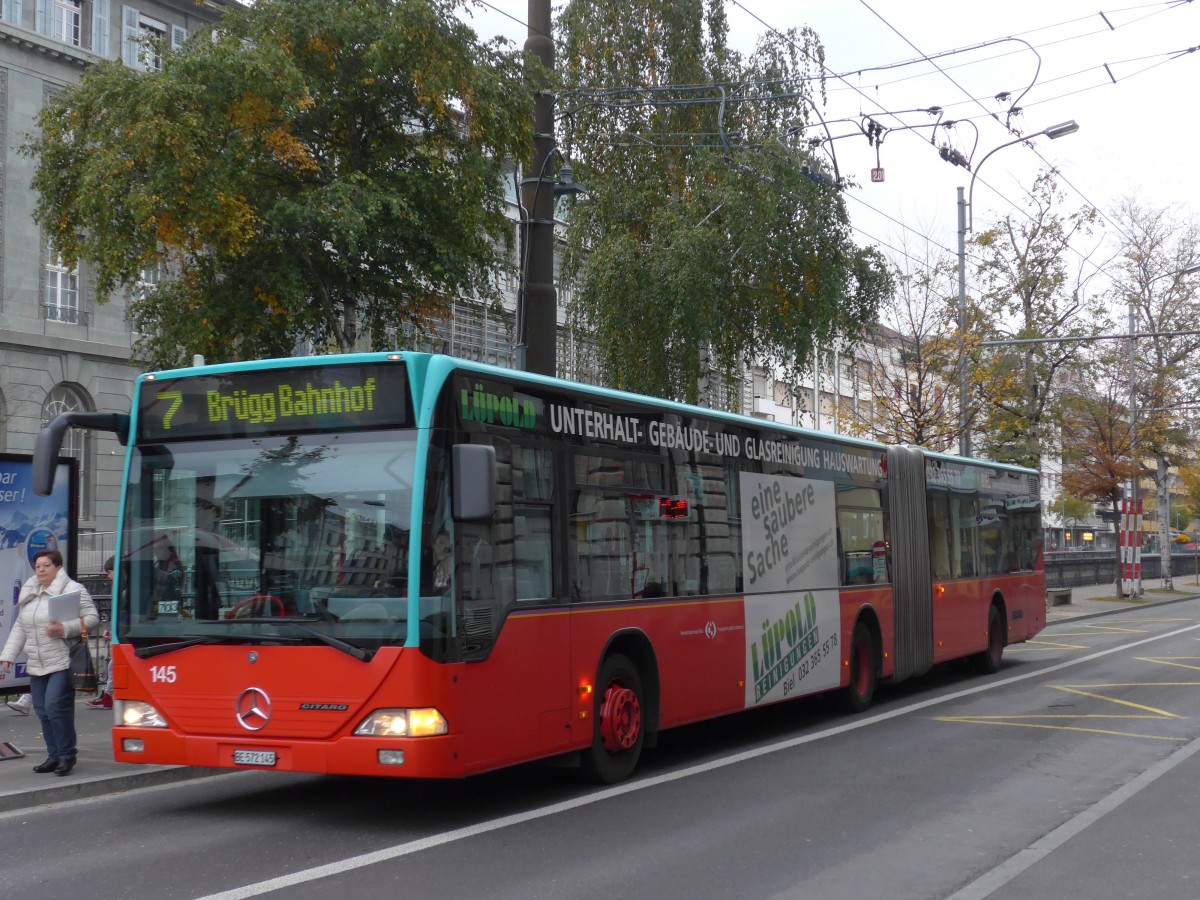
(1017,36)
(1028,143)
(1032,146)
(882,113)
(663,88)
(653,140)
(863,94)
(919,234)
(509,15)
(944,72)
(1171,54)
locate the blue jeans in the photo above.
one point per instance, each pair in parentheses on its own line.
(54,703)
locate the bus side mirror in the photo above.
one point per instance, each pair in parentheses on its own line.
(474,473)
(50,438)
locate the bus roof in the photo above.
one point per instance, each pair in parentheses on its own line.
(428,372)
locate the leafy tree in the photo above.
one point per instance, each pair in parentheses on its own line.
(1189,479)
(1147,278)
(710,235)
(1030,292)
(314,167)
(1097,461)
(914,357)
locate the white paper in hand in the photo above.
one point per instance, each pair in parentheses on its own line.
(64,607)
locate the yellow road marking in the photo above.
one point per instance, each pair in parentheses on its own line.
(1051,645)
(1091,630)
(1072,716)
(966,720)
(1071,690)
(1172,661)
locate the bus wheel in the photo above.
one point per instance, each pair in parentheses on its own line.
(988,662)
(620,724)
(861,690)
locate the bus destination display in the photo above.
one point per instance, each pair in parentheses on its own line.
(274,401)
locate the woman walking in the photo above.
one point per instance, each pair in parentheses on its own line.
(47,647)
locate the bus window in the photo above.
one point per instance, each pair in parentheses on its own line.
(705,539)
(860,530)
(964,524)
(602,529)
(503,560)
(533,495)
(619,541)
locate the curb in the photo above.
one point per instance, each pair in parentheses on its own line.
(103,786)
(1118,608)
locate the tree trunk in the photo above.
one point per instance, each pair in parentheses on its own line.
(1118,522)
(1162,485)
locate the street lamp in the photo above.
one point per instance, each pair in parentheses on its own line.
(1054,132)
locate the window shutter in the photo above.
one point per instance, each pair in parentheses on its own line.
(12,11)
(100,27)
(130,49)
(178,36)
(43,22)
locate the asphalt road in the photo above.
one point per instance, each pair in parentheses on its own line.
(1074,772)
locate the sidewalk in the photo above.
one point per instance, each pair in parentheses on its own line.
(1098,599)
(97,773)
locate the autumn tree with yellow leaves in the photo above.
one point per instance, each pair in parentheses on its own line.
(313,169)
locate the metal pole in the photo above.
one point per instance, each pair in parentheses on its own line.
(964,437)
(538,316)
(1135,585)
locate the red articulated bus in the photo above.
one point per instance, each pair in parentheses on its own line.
(408,565)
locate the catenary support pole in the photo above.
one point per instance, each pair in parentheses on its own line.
(538,314)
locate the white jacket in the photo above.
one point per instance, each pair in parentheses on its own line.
(45,654)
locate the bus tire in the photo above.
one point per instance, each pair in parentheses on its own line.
(988,662)
(860,691)
(620,723)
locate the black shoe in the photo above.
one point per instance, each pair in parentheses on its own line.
(48,766)
(65,766)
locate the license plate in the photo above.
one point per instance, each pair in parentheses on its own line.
(254,757)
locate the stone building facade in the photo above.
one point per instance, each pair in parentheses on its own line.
(60,349)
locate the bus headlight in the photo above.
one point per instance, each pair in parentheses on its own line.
(136,714)
(403,723)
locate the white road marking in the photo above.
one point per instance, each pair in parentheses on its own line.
(989,883)
(408,848)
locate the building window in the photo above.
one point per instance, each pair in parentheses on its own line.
(143,40)
(61,303)
(783,394)
(148,282)
(77,442)
(66,24)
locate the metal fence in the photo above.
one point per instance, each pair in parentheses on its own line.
(1084,567)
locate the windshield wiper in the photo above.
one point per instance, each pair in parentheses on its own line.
(160,649)
(360,653)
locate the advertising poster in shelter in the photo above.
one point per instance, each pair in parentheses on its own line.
(28,523)
(790,577)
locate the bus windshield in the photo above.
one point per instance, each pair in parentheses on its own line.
(294,539)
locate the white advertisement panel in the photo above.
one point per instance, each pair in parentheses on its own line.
(790,576)
(28,524)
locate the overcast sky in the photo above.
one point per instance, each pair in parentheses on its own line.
(1137,117)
